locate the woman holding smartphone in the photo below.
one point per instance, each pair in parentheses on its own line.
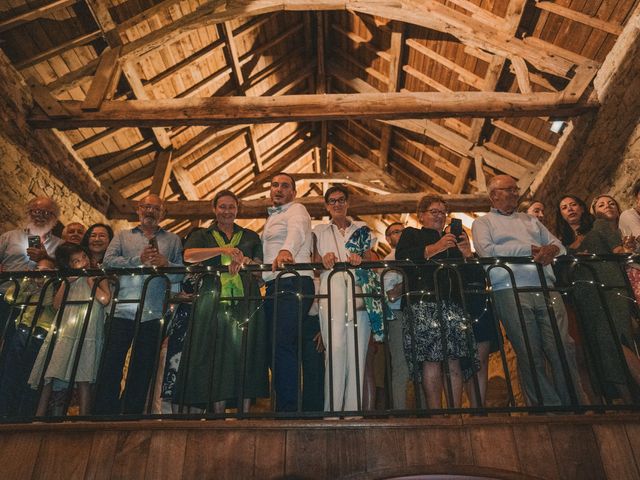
(436,329)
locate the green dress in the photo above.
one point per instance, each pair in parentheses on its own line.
(219,329)
(604,357)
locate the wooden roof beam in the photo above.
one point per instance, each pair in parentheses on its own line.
(234,61)
(161,174)
(301,108)
(396,54)
(184,181)
(105,81)
(129,70)
(593,22)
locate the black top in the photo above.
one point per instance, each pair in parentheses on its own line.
(411,247)
(250,243)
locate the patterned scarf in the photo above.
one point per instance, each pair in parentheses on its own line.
(359,242)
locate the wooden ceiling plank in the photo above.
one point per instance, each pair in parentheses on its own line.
(203,138)
(196,57)
(425,79)
(136,176)
(34,14)
(536,43)
(57,50)
(98,137)
(597,23)
(434,178)
(100,11)
(361,42)
(143,147)
(501,163)
(129,70)
(522,135)
(161,173)
(280,165)
(584,75)
(73,78)
(464,75)
(108,69)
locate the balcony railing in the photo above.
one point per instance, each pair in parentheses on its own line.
(208,323)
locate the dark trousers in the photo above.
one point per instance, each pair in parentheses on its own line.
(285,328)
(312,367)
(140,370)
(16,397)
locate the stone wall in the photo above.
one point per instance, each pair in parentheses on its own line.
(627,173)
(24,180)
(36,162)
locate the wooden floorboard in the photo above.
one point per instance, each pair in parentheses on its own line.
(519,448)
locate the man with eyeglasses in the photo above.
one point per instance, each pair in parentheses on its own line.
(503,232)
(146,245)
(286,239)
(22,249)
(394,286)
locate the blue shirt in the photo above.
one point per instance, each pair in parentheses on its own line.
(124,252)
(500,235)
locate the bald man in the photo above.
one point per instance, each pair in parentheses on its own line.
(504,232)
(148,245)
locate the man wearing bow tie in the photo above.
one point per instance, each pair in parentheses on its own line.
(286,239)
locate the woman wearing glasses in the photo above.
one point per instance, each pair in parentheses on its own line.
(428,342)
(345,333)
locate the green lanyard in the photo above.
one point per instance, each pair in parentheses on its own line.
(231,284)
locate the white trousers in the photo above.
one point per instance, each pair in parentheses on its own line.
(341,346)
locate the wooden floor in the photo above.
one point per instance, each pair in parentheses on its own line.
(553,447)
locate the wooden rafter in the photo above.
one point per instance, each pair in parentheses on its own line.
(58,49)
(161,174)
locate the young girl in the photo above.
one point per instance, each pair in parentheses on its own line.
(72,256)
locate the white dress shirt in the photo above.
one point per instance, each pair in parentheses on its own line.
(288,229)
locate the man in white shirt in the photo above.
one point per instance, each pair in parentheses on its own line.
(286,239)
(393,287)
(503,232)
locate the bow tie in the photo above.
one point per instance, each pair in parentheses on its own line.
(272,210)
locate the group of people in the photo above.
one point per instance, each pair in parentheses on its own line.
(232,331)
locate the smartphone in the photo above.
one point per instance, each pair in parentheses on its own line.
(455,227)
(34,241)
(153,242)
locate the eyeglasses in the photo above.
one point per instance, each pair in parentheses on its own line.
(339,201)
(153,208)
(41,213)
(434,212)
(509,190)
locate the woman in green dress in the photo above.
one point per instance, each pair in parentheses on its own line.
(227,341)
